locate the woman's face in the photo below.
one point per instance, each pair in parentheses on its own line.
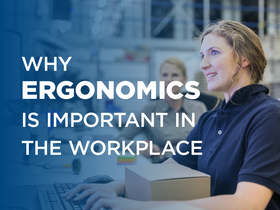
(169,73)
(218,63)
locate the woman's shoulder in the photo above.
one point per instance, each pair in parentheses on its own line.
(267,104)
(263,110)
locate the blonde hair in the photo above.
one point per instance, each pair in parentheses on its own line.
(176,62)
(245,44)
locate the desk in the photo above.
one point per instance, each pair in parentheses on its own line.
(91,165)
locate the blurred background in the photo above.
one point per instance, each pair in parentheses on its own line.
(117,40)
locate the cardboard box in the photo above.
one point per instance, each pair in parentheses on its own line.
(176,206)
(159,182)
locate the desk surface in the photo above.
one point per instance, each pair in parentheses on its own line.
(90,165)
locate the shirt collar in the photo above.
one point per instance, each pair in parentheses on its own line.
(244,95)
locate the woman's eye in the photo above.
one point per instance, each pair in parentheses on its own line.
(175,75)
(202,56)
(214,52)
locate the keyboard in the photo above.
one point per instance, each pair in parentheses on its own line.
(50,197)
(62,188)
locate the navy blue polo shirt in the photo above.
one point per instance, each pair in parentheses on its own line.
(240,142)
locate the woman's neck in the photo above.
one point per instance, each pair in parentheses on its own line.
(244,80)
(176,104)
(230,93)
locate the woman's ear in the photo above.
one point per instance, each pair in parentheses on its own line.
(245,62)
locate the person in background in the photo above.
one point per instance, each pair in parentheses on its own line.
(240,139)
(172,69)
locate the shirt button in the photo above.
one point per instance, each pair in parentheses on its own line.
(219,132)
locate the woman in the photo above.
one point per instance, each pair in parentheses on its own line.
(241,141)
(172,69)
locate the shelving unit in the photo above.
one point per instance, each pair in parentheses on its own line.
(271,45)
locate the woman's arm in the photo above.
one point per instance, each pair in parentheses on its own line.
(248,196)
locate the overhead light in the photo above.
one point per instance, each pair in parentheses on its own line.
(95,28)
(98,16)
(102,3)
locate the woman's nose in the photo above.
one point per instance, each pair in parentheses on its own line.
(169,78)
(205,63)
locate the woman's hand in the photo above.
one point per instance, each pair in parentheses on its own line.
(105,200)
(113,188)
(103,195)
